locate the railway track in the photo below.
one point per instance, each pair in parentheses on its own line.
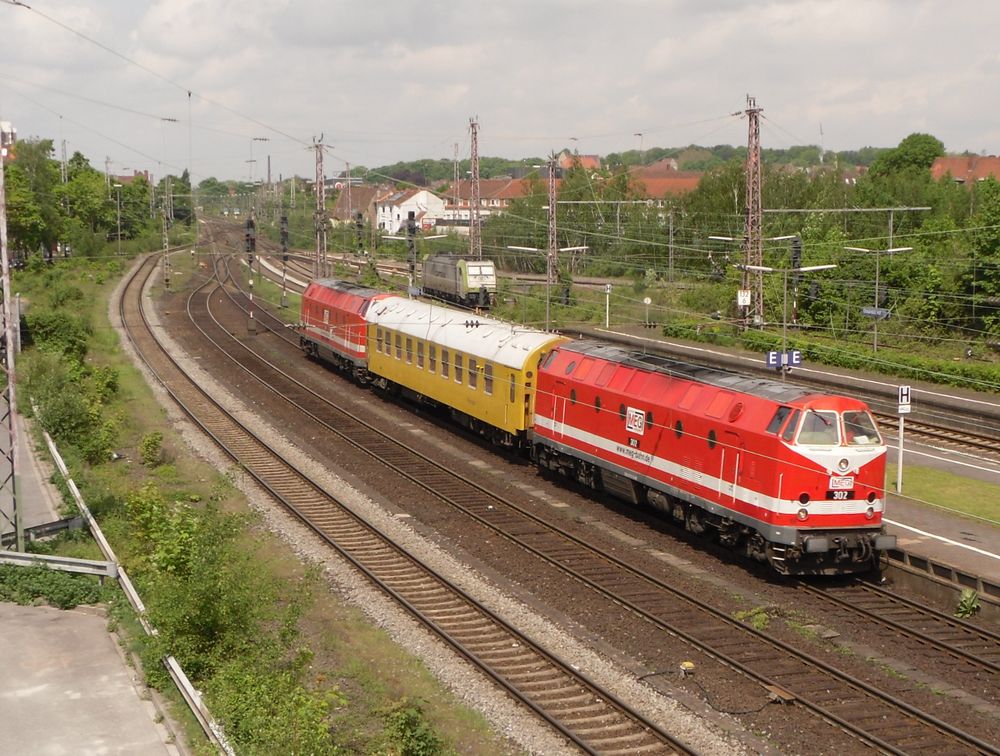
(790,674)
(584,712)
(955,440)
(972,650)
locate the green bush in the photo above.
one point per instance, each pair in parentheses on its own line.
(23,585)
(267,709)
(151,449)
(410,732)
(59,332)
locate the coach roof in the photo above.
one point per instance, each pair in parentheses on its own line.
(503,343)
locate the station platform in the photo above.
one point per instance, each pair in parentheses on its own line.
(67,687)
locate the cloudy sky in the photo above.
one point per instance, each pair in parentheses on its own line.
(390,80)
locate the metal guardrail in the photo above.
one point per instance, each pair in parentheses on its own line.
(35,532)
(64,563)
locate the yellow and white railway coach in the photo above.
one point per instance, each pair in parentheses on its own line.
(483,370)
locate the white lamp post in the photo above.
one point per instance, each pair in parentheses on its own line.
(118,193)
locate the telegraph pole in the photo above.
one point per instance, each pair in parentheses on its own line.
(475,242)
(753,249)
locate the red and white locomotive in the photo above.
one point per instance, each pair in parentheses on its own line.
(333,326)
(790,476)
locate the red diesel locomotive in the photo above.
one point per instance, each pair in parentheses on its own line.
(787,475)
(333,326)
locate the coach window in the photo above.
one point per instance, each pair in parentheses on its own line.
(399,346)
(513,388)
(444,363)
(409,351)
(432,358)
(458,367)
(473,373)
(789,433)
(488,379)
(326,317)
(779,417)
(420,354)
(378,339)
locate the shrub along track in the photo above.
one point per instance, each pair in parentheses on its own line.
(859,708)
(581,710)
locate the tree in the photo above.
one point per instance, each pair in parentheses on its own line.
(35,218)
(915,152)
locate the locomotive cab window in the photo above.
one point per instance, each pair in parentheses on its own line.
(819,428)
(779,417)
(860,429)
(790,429)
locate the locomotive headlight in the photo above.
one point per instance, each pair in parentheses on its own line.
(802,514)
(844,464)
(870,512)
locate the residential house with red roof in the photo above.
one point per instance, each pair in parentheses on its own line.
(966,169)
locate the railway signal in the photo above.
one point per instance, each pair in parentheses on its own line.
(903,409)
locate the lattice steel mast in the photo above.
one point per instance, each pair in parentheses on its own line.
(475,241)
(7,406)
(753,280)
(319,215)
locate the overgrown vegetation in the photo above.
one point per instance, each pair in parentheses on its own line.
(226,610)
(64,590)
